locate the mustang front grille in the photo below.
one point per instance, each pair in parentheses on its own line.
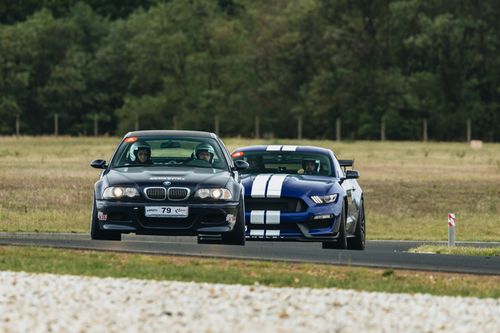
(281,204)
(156,193)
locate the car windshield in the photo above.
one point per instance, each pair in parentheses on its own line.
(286,162)
(170,152)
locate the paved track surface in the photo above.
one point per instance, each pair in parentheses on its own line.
(384,254)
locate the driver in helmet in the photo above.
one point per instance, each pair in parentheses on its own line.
(309,166)
(204,152)
(141,153)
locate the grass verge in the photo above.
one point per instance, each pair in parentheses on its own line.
(275,274)
(409,188)
(458,250)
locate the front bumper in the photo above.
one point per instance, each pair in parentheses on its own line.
(294,226)
(203,218)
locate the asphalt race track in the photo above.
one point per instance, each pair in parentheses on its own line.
(383,254)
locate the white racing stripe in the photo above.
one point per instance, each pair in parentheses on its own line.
(257,232)
(259,186)
(275,184)
(273,217)
(289,148)
(272,233)
(257,217)
(273,148)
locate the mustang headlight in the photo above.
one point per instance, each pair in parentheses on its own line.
(214,194)
(324,199)
(118,192)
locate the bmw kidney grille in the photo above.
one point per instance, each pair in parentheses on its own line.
(178,193)
(156,193)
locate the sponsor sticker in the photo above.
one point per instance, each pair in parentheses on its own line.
(101,216)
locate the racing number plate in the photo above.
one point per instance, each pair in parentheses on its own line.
(166,211)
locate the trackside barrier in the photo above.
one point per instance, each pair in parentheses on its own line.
(451,229)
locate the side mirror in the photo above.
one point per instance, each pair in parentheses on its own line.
(352,174)
(98,164)
(241,165)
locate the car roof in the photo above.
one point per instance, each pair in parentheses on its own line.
(174,133)
(285,148)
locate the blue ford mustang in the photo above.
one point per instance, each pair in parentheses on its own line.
(302,193)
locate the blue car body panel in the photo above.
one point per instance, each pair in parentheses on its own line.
(270,199)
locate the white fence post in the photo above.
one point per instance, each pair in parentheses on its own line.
(451,229)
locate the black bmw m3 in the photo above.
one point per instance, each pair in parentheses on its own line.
(170,183)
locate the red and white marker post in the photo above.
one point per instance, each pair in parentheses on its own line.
(451,229)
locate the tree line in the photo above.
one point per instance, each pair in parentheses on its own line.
(162,64)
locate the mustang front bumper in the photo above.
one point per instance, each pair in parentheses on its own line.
(316,223)
(203,218)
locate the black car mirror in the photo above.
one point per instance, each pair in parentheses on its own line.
(241,165)
(352,174)
(98,164)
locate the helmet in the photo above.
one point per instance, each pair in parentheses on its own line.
(139,146)
(206,148)
(308,160)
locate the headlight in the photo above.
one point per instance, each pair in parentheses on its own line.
(116,192)
(324,199)
(214,193)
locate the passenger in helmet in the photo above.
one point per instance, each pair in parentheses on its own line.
(205,152)
(309,166)
(140,153)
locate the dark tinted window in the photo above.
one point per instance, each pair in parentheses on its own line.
(287,162)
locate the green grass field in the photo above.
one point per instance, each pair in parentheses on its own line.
(46,185)
(246,272)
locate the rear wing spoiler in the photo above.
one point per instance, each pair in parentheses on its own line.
(344,164)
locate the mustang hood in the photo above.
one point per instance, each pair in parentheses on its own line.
(283,185)
(156,176)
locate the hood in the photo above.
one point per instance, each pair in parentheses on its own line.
(147,176)
(283,185)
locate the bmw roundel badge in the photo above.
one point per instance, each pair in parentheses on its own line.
(167,183)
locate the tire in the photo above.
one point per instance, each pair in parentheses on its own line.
(237,235)
(341,242)
(359,239)
(95,231)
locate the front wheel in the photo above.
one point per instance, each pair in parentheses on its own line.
(359,239)
(341,242)
(237,235)
(95,231)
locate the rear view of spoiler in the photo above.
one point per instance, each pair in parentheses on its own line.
(346,163)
